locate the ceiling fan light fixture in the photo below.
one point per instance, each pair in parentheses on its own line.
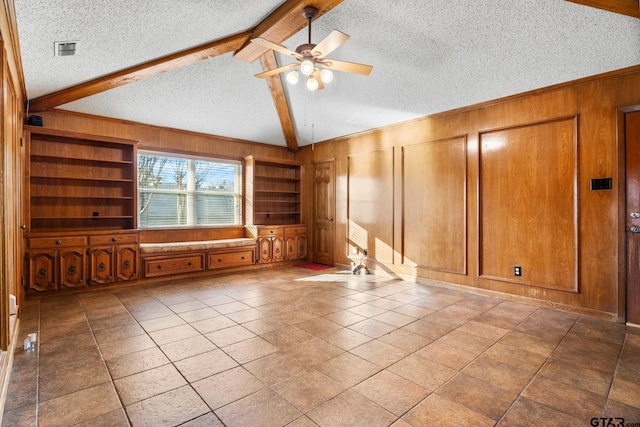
(312,83)
(326,76)
(307,66)
(293,77)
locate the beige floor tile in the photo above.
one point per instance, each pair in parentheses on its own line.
(264,408)
(228,336)
(351,409)
(178,350)
(160,410)
(313,352)
(308,390)
(379,353)
(579,404)
(391,392)
(348,369)
(345,338)
(405,340)
(447,355)
(527,413)
(275,367)
(478,395)
(251,349)
(78,407)
(226,387)
(133,363)
(149,383)
(423,372)
(436,410)
(204,365)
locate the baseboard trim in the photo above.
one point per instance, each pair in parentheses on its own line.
(6,362)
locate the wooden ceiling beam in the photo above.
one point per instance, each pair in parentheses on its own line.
(283,23)
(270,62)
(141,71)
(624,7)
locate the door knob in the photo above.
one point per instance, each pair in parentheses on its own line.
(330,218)
(635,215)
(634,229)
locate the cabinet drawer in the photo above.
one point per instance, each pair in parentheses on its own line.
(113,239)
(56,242)
(294,231)
(173,265)
(222,260)
(270,231)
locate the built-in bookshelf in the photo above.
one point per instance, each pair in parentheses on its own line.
(79,182)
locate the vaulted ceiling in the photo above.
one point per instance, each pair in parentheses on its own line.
(190,64)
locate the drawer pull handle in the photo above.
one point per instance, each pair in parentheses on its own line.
(271,231)
(189,263)
(42,272)
(58,242)
(102,266)
(242,258)
(219,260)
(113,239)
(264,252)
(126,264)
(159,266)
(277,251)
(72,270)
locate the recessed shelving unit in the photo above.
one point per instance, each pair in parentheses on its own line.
(80,182)
(273,191)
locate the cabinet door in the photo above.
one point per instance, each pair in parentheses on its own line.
(72,268)
(42,271)
(264,250)
(126,262)
(277,246)
(102,266)
(292,249)
(301,243)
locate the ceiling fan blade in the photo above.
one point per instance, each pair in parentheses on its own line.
(349,67)
(316,74)
(275,71)
(274,46)
(334,40)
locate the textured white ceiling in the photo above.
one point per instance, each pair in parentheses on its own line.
(428,56)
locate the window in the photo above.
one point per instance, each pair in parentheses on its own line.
(188,191)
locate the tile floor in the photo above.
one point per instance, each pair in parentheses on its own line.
(297,347)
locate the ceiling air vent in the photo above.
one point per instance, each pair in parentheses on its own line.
(64,48)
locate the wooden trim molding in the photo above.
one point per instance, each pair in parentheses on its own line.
(624,7)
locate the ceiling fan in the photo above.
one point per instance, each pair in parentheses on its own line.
(312,58)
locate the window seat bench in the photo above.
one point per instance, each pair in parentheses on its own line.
(168,258)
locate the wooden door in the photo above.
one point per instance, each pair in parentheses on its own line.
(324,212)
(632,137)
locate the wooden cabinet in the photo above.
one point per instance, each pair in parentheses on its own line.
(296,242)
(113,257)
(59,262)
(272,191)
(55,263)
(78,182)
(270,244)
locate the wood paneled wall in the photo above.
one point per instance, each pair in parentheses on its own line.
(480,190)
(161,138)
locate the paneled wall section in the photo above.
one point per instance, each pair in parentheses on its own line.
(470,194)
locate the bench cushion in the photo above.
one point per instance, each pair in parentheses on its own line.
(152,248)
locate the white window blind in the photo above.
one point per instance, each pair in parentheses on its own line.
(188,191)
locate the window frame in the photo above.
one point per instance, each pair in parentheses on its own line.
(237,194)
